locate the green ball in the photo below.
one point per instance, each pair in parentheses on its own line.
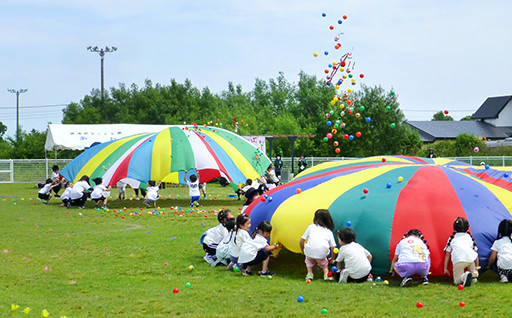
(235,269)
(336,126)
(188,285)
(388,107)
(331,112)
(325,140)
(349,75)
(392,93)
(393,125)
(323,311)
(361,108)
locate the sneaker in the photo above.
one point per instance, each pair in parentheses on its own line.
(466,279)
(246,273)
(344,276)
(309,276)
(327,278)
(209,259)
(230,266)
(267,273)
(406,282)
(424,281)
(104,207)
(503,279)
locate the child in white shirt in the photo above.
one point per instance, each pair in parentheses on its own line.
(257,250)
(215,235)
(318,242)
(461,247)
(193,189)
(412,257)
(152,194)
(222,252)
(243,225)
(356,258)
(66,195)
(45,193)
(97,193)
(502,250)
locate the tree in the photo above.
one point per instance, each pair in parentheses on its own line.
(439,116)
(468,117)
(3,130)
(465,145)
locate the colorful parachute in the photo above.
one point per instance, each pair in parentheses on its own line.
(402,193)
(212,152)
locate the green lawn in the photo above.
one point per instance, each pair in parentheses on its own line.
(117,266)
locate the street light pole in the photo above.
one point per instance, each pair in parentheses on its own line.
(17,92)
(101,52)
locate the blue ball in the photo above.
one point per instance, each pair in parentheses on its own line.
(351,137)
(300,299)
(328,83)
(349,223)
(265,196)
(340,22)
(269,199)
(340,82)
(329,123)
(323,15)
(326,53)
(378,279)
(506,175)
(368,119)
(388,185)
(334,268)
(330,65)
(486,167)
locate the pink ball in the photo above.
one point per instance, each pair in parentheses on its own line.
(329,135)
(477,149)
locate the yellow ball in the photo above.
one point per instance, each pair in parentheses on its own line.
(334,63)
(342,69)
(342,106)
(315,54)
(349,90)
(336,250)
(386,282)
(337,87)
(353,80)
(344,76)
(333,102)
(191,267)
(400,179)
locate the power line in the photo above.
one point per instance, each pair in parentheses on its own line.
(34,106)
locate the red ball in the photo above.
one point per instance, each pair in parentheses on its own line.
(343,63)
(446,112)
(345,136)
(361,75)
(344,17)
(337,150)
(175,290)
(326,71)
(358,134)
(461,287)
(383,159)
(331,27)
(329,274)
(365,191)
(263,199)
(462,304)
(419,305)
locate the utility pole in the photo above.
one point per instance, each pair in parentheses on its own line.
(17,92)
(101,52)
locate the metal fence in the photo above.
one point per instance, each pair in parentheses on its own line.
(38,170)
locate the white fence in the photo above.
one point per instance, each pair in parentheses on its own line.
(38,170)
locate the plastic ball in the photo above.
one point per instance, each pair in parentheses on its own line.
(336,250)
(334,131)
(349,223)
(388,107)
(351,137)
(329,123)
(324,15)
(337,150)
(386,282)
(378,279)
(361,75)
(462,304)
(476,149)
(358,115)
(269,199)
(388,185)
(335,143)
(175,290)
(188,285)
(308,281)
(323,311)
(331,27)
(300,299)
(506,175)
(368,119)
(358,134)
(400,179)
(393,125)
(487,167)
(365,191)
(326,71)
(326,53)
(392,93)
(298,190)
(329,135)
(334,268)
(315,54)
(326,139)
(361,108)
(340,22)
(343,125)
(461,287)
(235,269)
(419,305)
(344,17)
(345,136)
(446,112)
(329,274)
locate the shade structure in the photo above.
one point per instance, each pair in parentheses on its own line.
(431,195)
(164,156)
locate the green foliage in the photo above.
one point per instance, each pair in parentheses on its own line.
(465,145)
(27,146)
(468,117)
(3,130)
(441,116)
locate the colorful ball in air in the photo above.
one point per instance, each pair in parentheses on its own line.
(388,185)
(329,123)
(335,143)
(368,119)
(326,71)
(419,305)
(476,149)
(337,150)
(365,191)
(300,299)
(345,136)
(340,22)
(383,159)
(326,53)
(392,93)
(358,115)
(388,107)
(345,17)
(331,27)
(349,223)
(324,15)
(358,134)
(334,269)
(361,108)
(329,135)
(446,112)
(326,139)
(315,54)
(175,290)
(361,75)
(350,137)
(393,125)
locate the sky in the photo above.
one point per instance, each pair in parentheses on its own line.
(436,55)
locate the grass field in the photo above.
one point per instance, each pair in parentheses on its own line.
(100,265)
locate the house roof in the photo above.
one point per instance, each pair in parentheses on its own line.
(492,107)
(432,130)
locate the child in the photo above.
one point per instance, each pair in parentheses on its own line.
(202,186)
(461,246)
(251,195)
(45,193)
(78,194)
(66,195)
(319,242)
(215,235)
(243,225)
(193,189)
(271,178)
(222,252)
(502,249)
(56,180)
(242,190)
(257,250)
(152,194)
(411,257)
(356,258)
(97,193)
(121,189)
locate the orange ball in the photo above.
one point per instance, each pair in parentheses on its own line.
(337,150)
(349,102)
(298,190)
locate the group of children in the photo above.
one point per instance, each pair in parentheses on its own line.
(230,244)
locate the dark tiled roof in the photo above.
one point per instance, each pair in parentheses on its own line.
(432,130)
(492,107)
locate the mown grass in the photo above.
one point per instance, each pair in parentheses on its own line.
(118,267)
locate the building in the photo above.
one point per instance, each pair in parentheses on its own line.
(492,121)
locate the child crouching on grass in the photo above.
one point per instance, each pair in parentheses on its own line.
(152,194)
(502,250)
(356,258)
(97,193)
(66,195)
(412,257)
(257,250)
(215,235)
(45,193)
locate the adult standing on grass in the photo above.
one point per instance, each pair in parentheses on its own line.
(78,193)
(303,163)
(278,166)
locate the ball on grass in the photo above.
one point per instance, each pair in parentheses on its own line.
(188,285)
(175,291)
(419,304)
(300,299)
(323,311)
(235,269)
(461,287)
(462,304)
